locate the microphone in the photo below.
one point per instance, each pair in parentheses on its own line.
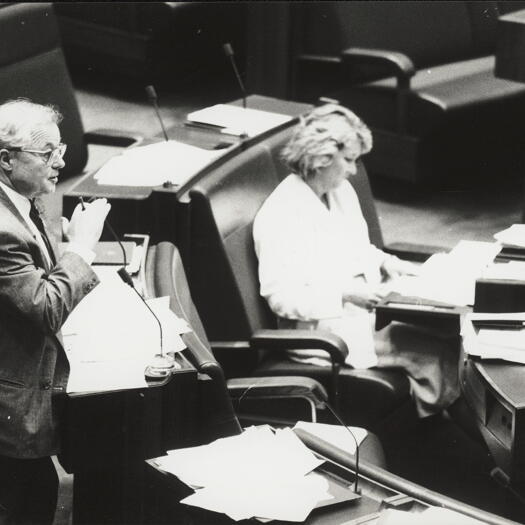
(228,51)
(356,488)
(162,364)
(152,97)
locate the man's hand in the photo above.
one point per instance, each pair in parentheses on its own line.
(85,226)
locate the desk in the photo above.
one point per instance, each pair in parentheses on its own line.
(380,488)
(495,390)
(108,435)
(160,211)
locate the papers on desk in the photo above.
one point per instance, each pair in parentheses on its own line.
(509,271)
(110,337)
(155,164)
(235,120)
(503,343)
(514,236)
(449,277)
(259,473)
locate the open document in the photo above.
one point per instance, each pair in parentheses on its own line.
(449,277)
(235,120)
(260,473)
(169,162)
(110,337)
(495,336)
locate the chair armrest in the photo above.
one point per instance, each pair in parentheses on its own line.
(112,137)
(301,340)
(278,387)
(389,62)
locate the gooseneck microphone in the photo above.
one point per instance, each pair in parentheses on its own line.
(228,51)
(356,489)
(162,364)
(152,97)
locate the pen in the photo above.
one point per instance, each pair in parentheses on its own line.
(82,203)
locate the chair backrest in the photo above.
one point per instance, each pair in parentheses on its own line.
(166,277)
(429,32)
(222,263)
(32,65)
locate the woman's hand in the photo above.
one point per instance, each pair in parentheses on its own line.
(363,295)
(394,267)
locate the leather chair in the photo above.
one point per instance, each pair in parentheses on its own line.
(223,277)
(420,74)
(148,41)
(224,404)
(32,65)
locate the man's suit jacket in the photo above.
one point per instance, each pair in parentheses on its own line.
(35,300)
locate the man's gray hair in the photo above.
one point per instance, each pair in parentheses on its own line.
(21,118)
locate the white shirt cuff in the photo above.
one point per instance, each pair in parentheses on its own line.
(86,254)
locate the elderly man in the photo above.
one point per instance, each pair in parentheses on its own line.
(38,290)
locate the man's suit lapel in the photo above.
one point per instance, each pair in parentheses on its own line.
(9,207)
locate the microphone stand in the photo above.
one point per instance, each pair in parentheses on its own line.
(356,488)
(162,364)
(152,96)
(228,51)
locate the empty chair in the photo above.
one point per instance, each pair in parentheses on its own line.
(32,65)
(421,75)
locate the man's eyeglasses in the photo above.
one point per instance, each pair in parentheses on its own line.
(50,156)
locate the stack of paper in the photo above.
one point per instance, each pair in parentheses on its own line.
(495,343)
(451,277)
(110,337)
(259,473)
(235,120)
(514,236)
(510,271)
(155,164)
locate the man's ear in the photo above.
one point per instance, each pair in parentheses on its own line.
(5,160)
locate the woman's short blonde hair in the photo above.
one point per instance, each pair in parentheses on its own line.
(320,135)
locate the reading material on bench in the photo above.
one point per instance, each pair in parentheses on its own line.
(446,279)
(495,336)
(170,162)
(234,120)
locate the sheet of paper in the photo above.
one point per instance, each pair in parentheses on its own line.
(236,120)
(512,270)
(508,345)
(337,435)
(451,277)
(271,483)
(513,236)
(154,164)
(110,337)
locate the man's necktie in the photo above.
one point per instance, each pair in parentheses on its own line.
(34,215)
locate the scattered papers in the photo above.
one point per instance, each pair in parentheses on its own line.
(514,236)
(258,473)
(430,516)
(336,435)
(487,343)
(155,164)
(110,337)
(451,277)
(235,120)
